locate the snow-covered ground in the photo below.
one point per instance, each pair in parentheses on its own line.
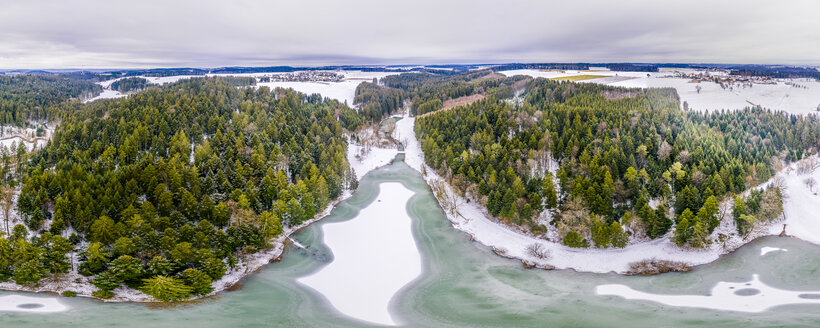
(777,96)
(549,74)
(375,158)
(107,94)
(800,208)
(167,79)
(12,135)
(343,91)
(374,256)
(23,303)
(8,142)
(749,296)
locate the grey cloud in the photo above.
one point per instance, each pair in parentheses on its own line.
(152,33)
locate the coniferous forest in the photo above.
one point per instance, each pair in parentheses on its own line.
(590,160)
(25,98)
(163,190)
(427,91)
(130,84)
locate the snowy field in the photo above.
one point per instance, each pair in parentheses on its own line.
(107,94)
(750,296)
(167,79)
(778,96)
(801,206)
(377,157)
(343,91)
(374,256)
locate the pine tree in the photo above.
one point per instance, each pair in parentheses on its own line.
(699,237)
(575,240)
(738,210)
(683,229)
(199,282)
(166,289)
(103,231)
(618,236)
(548,190)
(709,214)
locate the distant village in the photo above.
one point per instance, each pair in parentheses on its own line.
(307,76)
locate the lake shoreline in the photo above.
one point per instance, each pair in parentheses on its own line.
(638,257)
(248,265)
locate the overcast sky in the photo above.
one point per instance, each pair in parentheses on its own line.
(146,34)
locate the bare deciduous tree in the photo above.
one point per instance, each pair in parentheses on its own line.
(6,203)
(574,217)
(771,206)
(810,182)
(683,157)
(777,164)
(698,178)
(808,165)
(449,200)
(389,126)
(780,183)
(664,151)
(538,251)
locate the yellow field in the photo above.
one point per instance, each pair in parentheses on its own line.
(575,78)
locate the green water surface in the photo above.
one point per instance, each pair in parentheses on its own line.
(463,285)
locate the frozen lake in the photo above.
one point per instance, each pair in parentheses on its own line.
(374,256)
(463,284)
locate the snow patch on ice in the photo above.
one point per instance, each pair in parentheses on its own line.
(22,303)
(752,296)
(375,255)
(767,250)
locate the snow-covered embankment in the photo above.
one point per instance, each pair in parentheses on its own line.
(800,208)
